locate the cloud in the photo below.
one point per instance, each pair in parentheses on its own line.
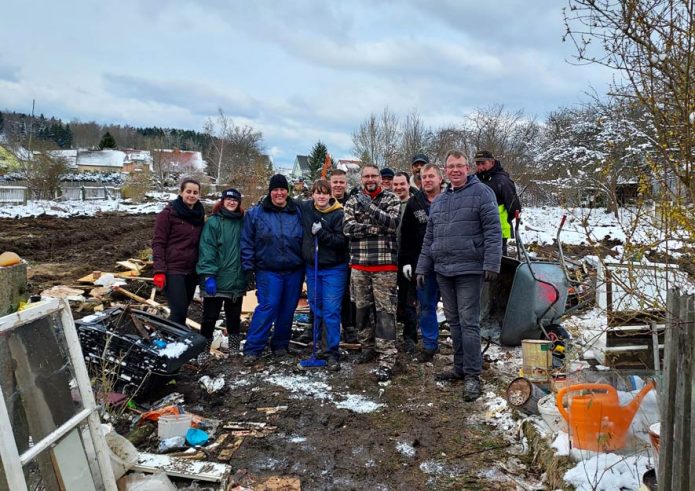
(9,73)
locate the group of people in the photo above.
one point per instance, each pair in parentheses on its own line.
(387,250)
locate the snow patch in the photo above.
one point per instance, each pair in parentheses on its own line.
(405,449)
(608,472)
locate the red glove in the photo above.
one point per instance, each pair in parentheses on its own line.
(159,280)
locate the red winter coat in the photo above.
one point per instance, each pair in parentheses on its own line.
(175,243)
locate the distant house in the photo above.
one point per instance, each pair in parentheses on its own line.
(301,167)
(177,161)
(68,156)
(352,168)
(137,160)
(100,160)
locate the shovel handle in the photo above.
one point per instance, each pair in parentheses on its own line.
(573,388)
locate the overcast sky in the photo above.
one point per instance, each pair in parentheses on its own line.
(298,71)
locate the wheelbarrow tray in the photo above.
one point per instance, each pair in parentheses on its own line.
(534,302)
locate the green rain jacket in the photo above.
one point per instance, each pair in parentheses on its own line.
(220,253)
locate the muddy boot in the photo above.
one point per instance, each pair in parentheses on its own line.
(350,335)
(233,343)
(307,335)
(471,388)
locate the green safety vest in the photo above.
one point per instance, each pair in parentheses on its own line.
(506,226)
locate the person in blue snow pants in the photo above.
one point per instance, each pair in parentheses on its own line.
(271,248)
(322,216)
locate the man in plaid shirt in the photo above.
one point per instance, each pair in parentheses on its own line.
(370,222)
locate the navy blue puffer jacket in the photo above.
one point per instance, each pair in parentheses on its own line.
(272,238)
(463,233)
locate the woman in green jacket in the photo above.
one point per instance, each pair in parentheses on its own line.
(222,280)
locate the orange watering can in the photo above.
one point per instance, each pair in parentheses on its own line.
(596,419)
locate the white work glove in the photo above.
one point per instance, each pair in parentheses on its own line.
(315,227)
(408,272)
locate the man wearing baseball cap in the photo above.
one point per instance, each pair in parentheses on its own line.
(416,163)
(490,172)
(387,176)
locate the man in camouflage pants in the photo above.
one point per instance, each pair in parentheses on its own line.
(371,220)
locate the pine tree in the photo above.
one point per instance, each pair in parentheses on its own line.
(316,159)
(107,141)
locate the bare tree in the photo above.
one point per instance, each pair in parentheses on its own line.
(219,131)
(390,139)
(504,133)
(367,140)
(651,44)
(415,137)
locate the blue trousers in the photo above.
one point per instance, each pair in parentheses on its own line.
(325,298)
(427,299)
(461,298)
(278,294)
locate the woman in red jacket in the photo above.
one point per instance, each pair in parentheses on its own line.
(175,248)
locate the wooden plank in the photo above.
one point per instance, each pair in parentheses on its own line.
(668,392)
(228,452)
(188,469)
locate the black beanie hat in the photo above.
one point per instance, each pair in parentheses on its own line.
(232,194)
(278,181)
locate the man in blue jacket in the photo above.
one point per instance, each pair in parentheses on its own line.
(271,248)
(463,246)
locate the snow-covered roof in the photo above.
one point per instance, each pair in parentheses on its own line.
(180,160)
(70,156)
(101,158)
(349,165)
(138,156)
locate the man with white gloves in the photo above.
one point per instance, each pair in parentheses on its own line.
(413,226)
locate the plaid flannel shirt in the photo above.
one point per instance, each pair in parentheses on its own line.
(372,231)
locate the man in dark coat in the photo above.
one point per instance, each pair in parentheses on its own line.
(490,172)
(463,246)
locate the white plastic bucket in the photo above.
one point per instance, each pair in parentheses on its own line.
(551,414)
(170,425)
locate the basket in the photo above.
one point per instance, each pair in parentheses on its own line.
(170,425)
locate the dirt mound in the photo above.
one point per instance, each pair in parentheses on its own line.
(62,248)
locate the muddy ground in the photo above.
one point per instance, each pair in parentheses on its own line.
(340,430)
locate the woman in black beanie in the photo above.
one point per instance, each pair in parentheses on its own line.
(271,247)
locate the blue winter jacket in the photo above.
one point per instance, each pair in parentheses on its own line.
(463,234)
(272,237)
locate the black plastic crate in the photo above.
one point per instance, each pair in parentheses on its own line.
(135,350)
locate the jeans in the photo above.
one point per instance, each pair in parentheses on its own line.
(325,298)
(211,312)
(278,294)
(179,290)
(461,298)
(427,299)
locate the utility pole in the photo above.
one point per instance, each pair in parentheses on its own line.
(31,128)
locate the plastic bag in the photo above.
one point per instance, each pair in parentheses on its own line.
(146,482)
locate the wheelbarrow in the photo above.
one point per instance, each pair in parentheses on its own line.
(527,299)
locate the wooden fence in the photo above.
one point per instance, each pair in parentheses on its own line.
(13,195)
(676,459)
(22,194)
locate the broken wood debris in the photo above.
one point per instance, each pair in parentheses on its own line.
(249,428)
(271,410)
(186,468)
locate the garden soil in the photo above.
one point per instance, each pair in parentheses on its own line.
(339,430)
